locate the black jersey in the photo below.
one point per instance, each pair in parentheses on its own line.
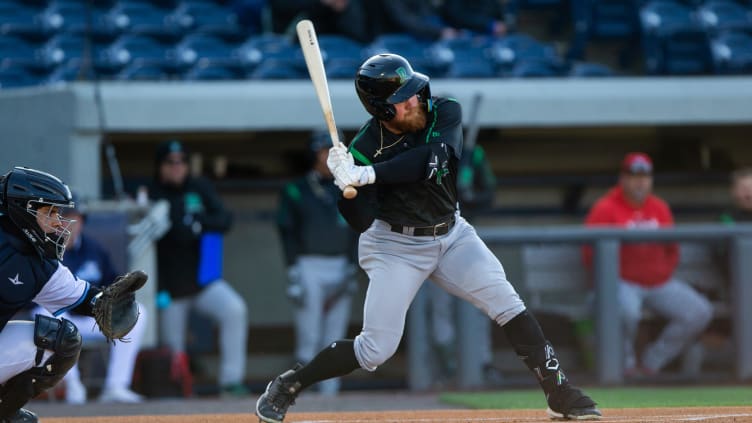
(425,202)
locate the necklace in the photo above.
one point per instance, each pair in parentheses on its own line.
(381,142)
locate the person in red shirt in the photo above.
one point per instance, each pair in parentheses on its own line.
(646,269)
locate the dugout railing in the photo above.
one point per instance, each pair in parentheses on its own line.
(605,241)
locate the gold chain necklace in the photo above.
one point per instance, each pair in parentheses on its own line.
(381,142)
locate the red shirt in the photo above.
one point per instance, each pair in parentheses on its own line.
(647,264)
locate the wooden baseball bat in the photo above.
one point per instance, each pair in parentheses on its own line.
(309,43)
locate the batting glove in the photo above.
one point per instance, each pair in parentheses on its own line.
(338,156)
(353,175)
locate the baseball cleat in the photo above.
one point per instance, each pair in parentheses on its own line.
(280,394)
(21,416)
(570,403)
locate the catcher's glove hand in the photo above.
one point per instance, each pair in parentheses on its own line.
(115,309)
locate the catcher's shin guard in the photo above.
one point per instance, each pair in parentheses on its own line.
(280,394)
(565,402)
(61,337)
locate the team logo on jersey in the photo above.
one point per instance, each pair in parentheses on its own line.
(15,280)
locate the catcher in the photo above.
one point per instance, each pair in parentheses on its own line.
(34,356)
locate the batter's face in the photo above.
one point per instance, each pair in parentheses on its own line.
(174,169)
(742,193)
(636,186)
(410,116)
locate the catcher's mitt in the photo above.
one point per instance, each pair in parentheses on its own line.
(115,309)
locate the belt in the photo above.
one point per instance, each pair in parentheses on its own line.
(435,230)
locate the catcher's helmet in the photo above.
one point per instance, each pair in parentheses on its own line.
(386,79)
(22,192)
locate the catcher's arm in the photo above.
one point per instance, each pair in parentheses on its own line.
(115,308)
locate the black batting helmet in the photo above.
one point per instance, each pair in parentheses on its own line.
(22,192)
(386,79)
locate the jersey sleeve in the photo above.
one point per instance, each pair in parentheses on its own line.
(447,125)
(62,292)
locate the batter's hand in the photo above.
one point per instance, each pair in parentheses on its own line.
(352,175)
(338,156)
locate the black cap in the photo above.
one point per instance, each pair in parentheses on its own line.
(168,147)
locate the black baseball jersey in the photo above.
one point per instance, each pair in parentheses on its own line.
(429,199)
(309,222)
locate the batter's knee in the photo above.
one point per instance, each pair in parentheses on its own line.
(374,348)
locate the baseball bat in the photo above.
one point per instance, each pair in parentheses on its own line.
(309,43)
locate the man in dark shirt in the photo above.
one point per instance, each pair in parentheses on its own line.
(407,159)
(189,261)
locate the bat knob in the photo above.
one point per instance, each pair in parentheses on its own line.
(349,192)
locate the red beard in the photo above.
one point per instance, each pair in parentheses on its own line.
(414,120)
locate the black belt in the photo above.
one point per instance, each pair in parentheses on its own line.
(435,230)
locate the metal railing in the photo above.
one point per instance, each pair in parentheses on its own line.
(605,242)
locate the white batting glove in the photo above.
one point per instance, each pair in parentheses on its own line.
(352,175)
(338,155)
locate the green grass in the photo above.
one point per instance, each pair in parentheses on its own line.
(632,397)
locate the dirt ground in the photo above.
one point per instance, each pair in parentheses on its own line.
(695,414)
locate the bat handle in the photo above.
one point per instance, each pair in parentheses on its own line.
(349,192)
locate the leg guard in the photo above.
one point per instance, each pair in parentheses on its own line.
(61,337)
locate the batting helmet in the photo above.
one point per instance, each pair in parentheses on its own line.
(386,79)
(22,192)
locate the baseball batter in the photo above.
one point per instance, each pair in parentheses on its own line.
(34,356)
(405,162)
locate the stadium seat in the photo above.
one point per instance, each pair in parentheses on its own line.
(509,51)
(534,69)
(467,57)
(143,70)
(22,20)
(207,70)
(78,16)
(414,50)
(342,68)
(210,18)
(278,49)
(206,46)
(131,47)
(673,41)
(732,53)
(584,69)
(340,47)
(725,15)
(79,70)
(143,18)
(278,69)
(16,76)
(17,51)
(602,20)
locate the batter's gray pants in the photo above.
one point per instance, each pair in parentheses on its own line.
(398,264)
(224,306)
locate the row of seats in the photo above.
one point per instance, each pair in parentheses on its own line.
(271,56)
(41,20)
(676,37)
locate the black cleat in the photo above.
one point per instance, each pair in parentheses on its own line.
(570,403)
(21,416)
(272,405)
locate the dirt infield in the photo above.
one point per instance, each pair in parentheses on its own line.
(696,414)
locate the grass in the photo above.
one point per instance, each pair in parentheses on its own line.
(631,397)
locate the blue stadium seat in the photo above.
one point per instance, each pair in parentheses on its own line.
(70,16)
(278,49)
(732,53)
(197,47)
(467,57)
(17,51)
(131,47)
(22,20)
(71,45)
(414,50)
(725,15)
(342,68)
(534,69)
(278,69)
(513,49)
(79,70)
(16,76)
(584,69)
(210,18)
(143,18)
(340,47)
(207,70)
(143,70)
(673,40)
(602,20)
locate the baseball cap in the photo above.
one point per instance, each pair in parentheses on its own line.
(168,147)
(637,162)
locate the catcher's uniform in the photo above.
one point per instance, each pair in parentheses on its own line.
(27,278)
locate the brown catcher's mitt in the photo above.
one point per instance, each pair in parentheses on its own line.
(115,309)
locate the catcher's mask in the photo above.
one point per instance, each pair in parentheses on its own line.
(23,192)
(387,79)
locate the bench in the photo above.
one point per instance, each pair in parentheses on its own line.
(556,282)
